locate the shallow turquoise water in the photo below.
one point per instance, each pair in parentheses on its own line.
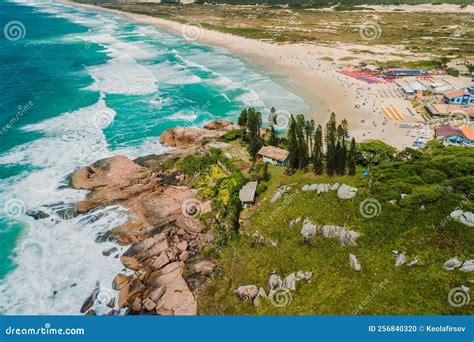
(77,86)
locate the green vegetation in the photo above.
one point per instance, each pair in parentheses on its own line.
(429,35)
(217,179)
(436,181)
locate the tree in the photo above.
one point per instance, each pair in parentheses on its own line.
(242,122)
(273,139)
(293,157)
(309,132)
(341,149)
(443,61)
(470,67)
(303,158)
(254,122)
(374,152)
(352,158)
(254,146)
(318,155)
(330,139)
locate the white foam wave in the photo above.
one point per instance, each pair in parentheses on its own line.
(192,79)
(184,116)
(58,261)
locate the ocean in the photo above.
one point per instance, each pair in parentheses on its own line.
(78,85)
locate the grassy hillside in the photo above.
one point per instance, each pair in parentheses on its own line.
(438,179)
(416,35)
(316,3)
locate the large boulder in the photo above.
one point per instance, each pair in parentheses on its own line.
(261,294)
(218,125)
(189,224)
(452,264)
(309,230)
(128,293)
(467,266)
(400,260)
(274,282)
(188,136)
(246,292)
(205,267)
(346,192)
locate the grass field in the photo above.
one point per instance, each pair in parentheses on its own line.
(428,34)
(380,287)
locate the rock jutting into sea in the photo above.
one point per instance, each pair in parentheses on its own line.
(163,263)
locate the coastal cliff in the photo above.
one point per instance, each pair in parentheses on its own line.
(164,263)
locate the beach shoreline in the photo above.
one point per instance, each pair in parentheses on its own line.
(315,80)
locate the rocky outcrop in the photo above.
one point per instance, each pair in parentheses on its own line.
(163,230)
(188,136)
(452,264)
(467,266)
(346,192)
(346,237)
(279,290)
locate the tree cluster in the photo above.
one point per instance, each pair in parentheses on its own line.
(328,151)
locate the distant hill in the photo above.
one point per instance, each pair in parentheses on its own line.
(305,3)
(326,3)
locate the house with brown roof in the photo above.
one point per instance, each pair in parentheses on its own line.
(458,97)
(273,155)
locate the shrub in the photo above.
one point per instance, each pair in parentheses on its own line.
(232,135)
(423,195)
(452,72)
(261,188)
(432,176)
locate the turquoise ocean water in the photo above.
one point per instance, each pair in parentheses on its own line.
(78,85)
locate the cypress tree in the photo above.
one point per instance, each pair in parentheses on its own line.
(293,157)
(318,155)
(330,139)
(352,158)
(273,139)
(303,158)
(341,149)
(242,122)
(254,121)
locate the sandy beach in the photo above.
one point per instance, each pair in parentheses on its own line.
(315,80)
